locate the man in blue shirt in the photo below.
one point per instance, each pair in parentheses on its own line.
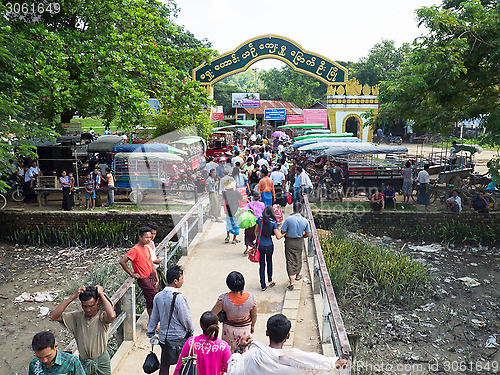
(296,227)
(49,360)
(389,196)
(480,203)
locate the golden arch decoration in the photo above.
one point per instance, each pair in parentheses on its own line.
(275,47)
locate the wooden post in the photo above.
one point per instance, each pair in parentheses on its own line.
(129,329)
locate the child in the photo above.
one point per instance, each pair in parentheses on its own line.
(71,182)
(90,191)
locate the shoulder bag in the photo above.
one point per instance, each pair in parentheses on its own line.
(188,366)
(173,348)
(253,253)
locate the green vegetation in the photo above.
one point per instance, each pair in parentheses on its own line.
(110,234)
(360,270)
(454,232)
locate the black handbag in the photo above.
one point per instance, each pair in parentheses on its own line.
(222,316)
(188,366)
(151,364)
(171,350)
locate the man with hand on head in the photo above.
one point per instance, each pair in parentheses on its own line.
(50,360)
(89,326)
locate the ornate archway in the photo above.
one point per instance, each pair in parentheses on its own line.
(278,47)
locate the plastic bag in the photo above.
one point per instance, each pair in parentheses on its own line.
(278,213)
(247,220)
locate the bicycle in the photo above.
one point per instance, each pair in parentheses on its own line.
(3,201)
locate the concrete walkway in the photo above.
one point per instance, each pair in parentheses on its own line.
(205,271)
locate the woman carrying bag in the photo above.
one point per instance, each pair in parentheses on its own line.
(211,353)
(265,228)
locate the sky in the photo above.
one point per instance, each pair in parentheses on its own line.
(338,30)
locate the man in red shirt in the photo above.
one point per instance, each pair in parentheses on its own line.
(142,264)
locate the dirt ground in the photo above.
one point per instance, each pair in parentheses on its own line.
(31,270)
(446,333)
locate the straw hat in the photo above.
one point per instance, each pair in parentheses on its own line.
(230,183)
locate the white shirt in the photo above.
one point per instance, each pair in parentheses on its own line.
(267,155)
(284,169)
(281,148)
(237,159)
(305,180)
(262,162)
(152,250)
(211,165)
(28,175)
(277,177)
(423,177)
(260,359)
(456,199)
(253,137)
(35,170)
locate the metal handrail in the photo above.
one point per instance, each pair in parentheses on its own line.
(124,288)
(331,312)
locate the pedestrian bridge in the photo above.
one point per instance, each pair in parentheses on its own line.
(311,307)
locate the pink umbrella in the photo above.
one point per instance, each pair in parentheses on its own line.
(279,134)
(256,207)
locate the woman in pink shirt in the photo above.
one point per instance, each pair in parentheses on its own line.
(211,353)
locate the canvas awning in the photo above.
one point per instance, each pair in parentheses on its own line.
(361,149)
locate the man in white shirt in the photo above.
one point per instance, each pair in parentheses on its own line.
(424,180)
(262,162)
(454,203)
(273,359)
(277,176)
(211,164)
(35,170)
(253,137)
(281,148)
(237,158)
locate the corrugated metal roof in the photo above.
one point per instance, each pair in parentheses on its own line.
(290,107)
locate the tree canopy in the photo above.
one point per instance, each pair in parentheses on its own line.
(107,59)
(453,71)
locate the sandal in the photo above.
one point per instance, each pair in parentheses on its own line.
(290,287)
(298,278)
(271,284)
(245,252)
(236,241)
(264,289)
(226,240)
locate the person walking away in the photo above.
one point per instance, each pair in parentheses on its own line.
(266,188)
(213,196)
(279,181)
(240,309)
(377,202)
(66,190)
(110,180)
(90,327)
(151,245)
(89,191)
(265,227)
(237,158)
(336,174)
(423,180)
(171,310)
(253,179)
(50,360)
(407,182)
(454,203)
(232,198)
(211,352)
(254,358)
(239,178)
(295,228)
(305,182)
(142,264)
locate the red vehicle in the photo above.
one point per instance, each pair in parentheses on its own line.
(219,143)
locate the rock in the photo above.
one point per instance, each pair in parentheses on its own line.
(478,323)
(469,281)
(25,296)
(43,312)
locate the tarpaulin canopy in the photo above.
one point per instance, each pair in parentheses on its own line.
(361,149)
(148,147)
(325,140)
(317,131)
(246,122)
(150,156)
(105,143)
(469,148)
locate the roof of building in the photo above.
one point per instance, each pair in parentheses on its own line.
(290,107)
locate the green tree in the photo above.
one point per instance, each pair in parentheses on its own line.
(288,85)
(453,71)
(383,63)
(107,58)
